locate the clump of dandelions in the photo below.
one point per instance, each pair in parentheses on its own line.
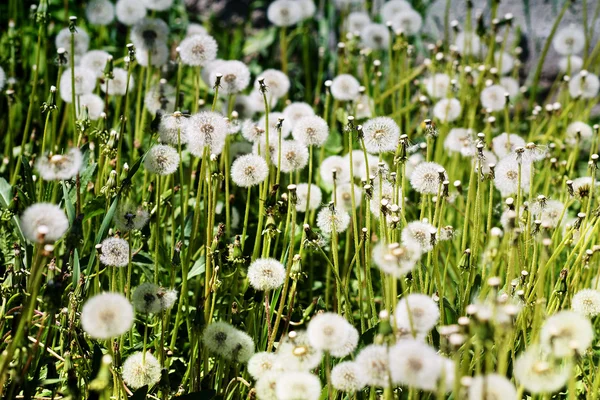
(417,312)
(249,170)
(260,364)
(106,315)
(162,160)
(327,331)
(44,223)
(381,134)
(427,177)
(266,274)
(566,333)
(348,377)
(298,385)
(330,218)
(149,298)
(114,252)
(128,216)
(140,370)
(223,339)
(586,302)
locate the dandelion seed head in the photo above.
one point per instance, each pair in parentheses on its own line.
(569,40)
(337,164)
(328,331)
(393,7)
(579,130)
(160,97)
(277,83)
(311,130)
(117,86)
(374,361)
(467,43)
(266,274)
(249,170)
(419,309)
(162,160)
(106,316)
(242,347)
(274,117)
(140,371)
(447,110)
(95,60)
(356,21)
(550,213)
(571,64)
(375,36)
(415,364)
(511,86)
(157,5)
(408,22)
(159,55)
(566,331)
(493,97)
(284,13)
(418,234)
(437,85)
(504,62)
(266,384)
(345,87)
(218,337)
(506,176)
(298,354)
(198,50)
(294,156)
(397,261)
(100,12)
(460,140)
(261,364)
(60,166)
(348,377)
(586,302)
(149,298)
(128,216)
(85,82)
(506,143)
(381,134)
(585,88)
(93,104)
(206,129)
(328,220)
(582,187)
(195,29)
(252,131)
(294,112)
(82,40)
(298,386)
(316,197)
(129,12)
(491,386)
(425,178)
(538,372)
(44,223)
(235,76)
(149,33)
(114,252)
(173,129)
(343,196)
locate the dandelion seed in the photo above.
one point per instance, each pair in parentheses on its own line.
(302,193)
(60,166)
(100,12)
(345,88)
(447,110)
(162,160)
(566,332)
(348,377)
(298,386)
(261,364)
(149,298)
(114,252)
(328,220)
(381,134)
(106,316)
(425,178)
(284,13)
(417,311)
(249,170)
(569,40)
(374,361)
(208,130)
(311,130)
(44,223)
(266,274)
(415,364)
(198,50)
(129,12)
(539,372)
(140,370)
(337,164)
(375,36)
(491,386)
(493,97)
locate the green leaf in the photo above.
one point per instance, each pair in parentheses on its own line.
(260,41)
(5,193)
(198,268)
(70,208)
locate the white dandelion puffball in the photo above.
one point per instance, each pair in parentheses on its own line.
(148,33)
(173,129)
(579,130)
(437,86)
(493,97)
(235,77)
(195,29)
(265,386)
(447,110)
(582,186)
(100,12)
(566,332)
(266,274)
(505,143)
(60,166)
(117,86)
(149,298)
(511,86)
(397,261)
(85,81)
(206,130)
(44,223)
(243,106)
(506,176)
(363,106)
(114,252)
(586,302)
(375,36)
(427,177)
(284,13)
(294,112)
(328,220)
(307,8)
(417,311)
(82,40)
(311,130)
(460,140)
(491,386)
(327,331)
(298,386)
(249,170)
(95,60)
(348,346)
(375,363)
(274,117)
(539,372)
(356,21)
(157,5)
(550,212)
(277,83)
(348,377)
(569,40)
(467,43)
(385,191)
(393,7)
(93,104)
(381,134)
(504,62)
(162,160)
(129,11)
(140,371)
(157,56)
(570,64)
(294,156)
(260,364)
(316,196)
(106,316)
(419,235)
(584,85)
(345,87)
(343,196)
(218,337)
(415,364)
(337,164)
(198,50)
(408,22)
(129,216)
(297,354)
(160,97)
(251,131)
(242,347)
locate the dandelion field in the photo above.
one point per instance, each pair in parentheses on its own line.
(298,200)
